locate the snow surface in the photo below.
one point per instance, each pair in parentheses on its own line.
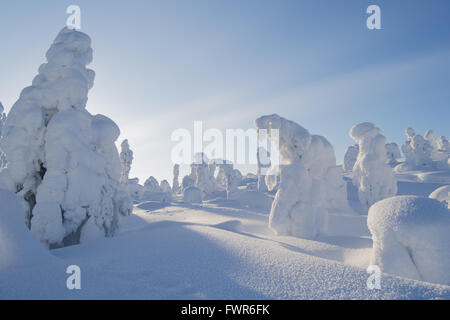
(216,251)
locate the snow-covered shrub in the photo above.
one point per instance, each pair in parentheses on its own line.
(63,162)
(126,159)
(18,247)
(442,194)
(371,175)
(392,153)
(300,205)
(350,156)
(176,174)
(234,180)
(135,190)
(192,195)
(411,239)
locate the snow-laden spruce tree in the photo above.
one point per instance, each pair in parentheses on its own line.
(152,185)
(406,147)
(126,159)
(443,144)
(234,179)
(350,156)
(176,174)
(371,174)
(302,201)
(202,173)
(2,123)
(62,161)
(392,153)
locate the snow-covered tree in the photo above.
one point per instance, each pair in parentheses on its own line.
(392,153)
(443,144)
(152,185)
(202,173)
(165,186)
(371,175)
(126,159)
(350,156)
(234,179)
(300,205)
(176,174)
(63,162)
(135,190)
(224,170)
(406,147)
(422,150)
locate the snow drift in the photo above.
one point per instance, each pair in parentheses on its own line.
(18,247)
(411,238)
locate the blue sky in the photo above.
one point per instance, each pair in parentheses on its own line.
(160,65)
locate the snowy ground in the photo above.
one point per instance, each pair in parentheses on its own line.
(214,251)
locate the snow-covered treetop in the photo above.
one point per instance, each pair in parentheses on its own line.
(294,139)
(63,82)
(363,130)
(410,132)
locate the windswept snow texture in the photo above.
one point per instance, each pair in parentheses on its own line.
(211,252)
(63,162)
(411,238)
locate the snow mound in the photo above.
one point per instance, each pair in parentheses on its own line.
(18,247)
(411,239)
(441,194)
(192,195)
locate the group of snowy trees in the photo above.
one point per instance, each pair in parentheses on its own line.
(62,161)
